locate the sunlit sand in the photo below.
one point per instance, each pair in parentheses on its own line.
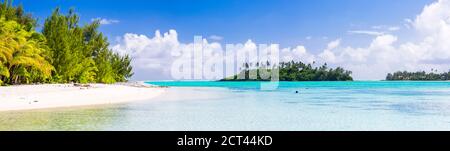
(27,97)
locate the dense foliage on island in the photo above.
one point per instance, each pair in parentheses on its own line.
(418,76)
(63,52)
(294,71)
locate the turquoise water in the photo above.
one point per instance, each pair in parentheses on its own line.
(195,105)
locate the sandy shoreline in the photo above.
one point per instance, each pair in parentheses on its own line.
(29,97)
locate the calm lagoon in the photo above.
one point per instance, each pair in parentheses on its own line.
(206,105)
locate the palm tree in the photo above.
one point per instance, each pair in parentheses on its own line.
(21,54)
(7,47)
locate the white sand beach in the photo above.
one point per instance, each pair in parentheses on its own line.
(28,97)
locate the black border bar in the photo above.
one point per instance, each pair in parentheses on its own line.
(169,139)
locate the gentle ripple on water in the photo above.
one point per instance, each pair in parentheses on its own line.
(243,106)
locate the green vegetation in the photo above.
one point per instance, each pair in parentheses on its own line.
(294,71)
(64,51)
(418,76)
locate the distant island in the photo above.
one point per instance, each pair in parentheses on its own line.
(293,71)
(418,76)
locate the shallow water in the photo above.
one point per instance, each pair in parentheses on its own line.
(244,106)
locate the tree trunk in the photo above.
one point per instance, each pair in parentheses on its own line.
(16,80)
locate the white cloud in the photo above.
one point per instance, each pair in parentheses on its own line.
(104,21)
(384,54)
(298,53)
(327,55)
(215,37)
(334,44)
(366,32)
(434,24)
(378,30)
(386,27)
(393,28)
(408,23)
(153,56)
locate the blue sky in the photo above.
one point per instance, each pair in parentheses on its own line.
(369,37)
(287,22)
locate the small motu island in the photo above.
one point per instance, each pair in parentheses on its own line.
(293,71)
(418,76)
(225,65)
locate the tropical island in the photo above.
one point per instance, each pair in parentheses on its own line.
(293,71)
(64,52)
(65,64)
(418,76)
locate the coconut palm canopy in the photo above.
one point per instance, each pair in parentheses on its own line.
(63,52)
